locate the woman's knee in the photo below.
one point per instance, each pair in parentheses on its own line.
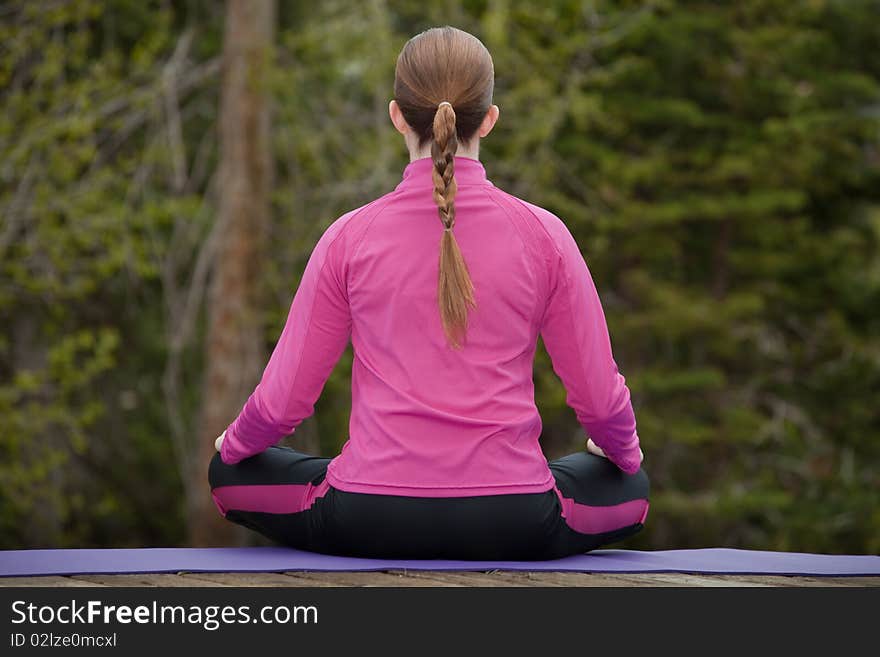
(593,479)
(216,469)
(641,484)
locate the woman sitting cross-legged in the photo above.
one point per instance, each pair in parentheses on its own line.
(443,458)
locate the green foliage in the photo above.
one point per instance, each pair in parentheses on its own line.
(719,164)
(87,218)
(46,417)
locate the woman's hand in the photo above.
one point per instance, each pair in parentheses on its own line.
(593,448)
(219,442)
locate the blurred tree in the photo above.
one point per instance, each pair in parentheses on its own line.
(234,347)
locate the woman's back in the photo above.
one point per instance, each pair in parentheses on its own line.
(428,420)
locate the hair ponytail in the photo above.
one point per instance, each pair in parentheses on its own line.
(449,65)
(455,288)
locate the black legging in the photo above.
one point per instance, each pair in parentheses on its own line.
(283,495)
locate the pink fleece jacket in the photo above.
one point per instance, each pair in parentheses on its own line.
(427,420)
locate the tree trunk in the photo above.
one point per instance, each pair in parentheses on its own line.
(235,353)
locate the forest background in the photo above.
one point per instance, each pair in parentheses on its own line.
(166,168)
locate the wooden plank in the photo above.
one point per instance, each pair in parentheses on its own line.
(492,578)
(839,581)
(514,578)
(783,580)
(44,580)
(363,578)
(144,579)
(854,581)
(587,579)
(682,579)
(422,578)
(248,579)
(639,579)
(520,578)
(465,578)
(689,579)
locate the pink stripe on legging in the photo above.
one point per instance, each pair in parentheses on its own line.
(268,498)
(588,519)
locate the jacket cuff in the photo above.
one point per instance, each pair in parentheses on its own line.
(230,450)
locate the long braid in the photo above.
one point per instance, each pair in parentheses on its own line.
(455,288)
(446,64)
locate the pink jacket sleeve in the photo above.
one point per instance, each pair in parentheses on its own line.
(315,334)
(576,336)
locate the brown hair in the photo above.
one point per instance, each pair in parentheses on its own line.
(446,64)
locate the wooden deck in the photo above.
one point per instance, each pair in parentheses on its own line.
(423,578)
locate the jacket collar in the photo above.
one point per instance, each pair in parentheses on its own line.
(417,173)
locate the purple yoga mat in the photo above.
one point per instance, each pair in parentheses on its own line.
(279,559)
